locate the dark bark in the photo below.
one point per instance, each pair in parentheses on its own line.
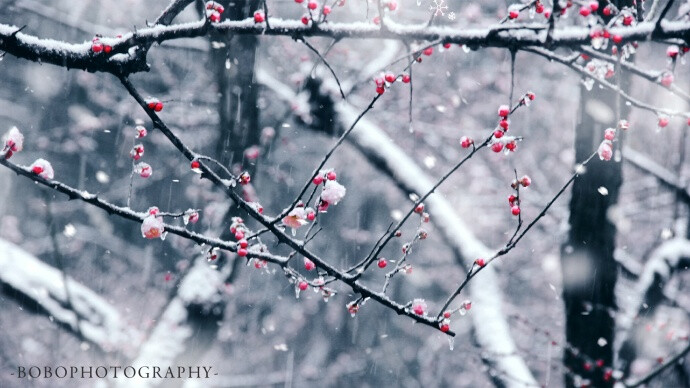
(589,269)
(238,91)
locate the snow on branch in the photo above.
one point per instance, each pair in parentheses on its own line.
(70,303)
(670,256)
(126,55)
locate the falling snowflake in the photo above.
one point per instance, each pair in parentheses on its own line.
(438,7)
(451,16)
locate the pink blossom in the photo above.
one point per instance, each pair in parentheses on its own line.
(296,218)
(333,192)
(42,168)
(152,227)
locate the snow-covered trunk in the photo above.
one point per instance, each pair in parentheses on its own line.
(188,326)
(588,268)
(40,288)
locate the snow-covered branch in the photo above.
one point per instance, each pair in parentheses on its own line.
(126,56)
(490,326)
(70,304)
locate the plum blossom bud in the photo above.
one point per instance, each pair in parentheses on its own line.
(143,169)
(14,142)
(605,150)
(141,131)
(152,227)
(190,215)
(333,192)
(42,168)
(137,152)
(419,307)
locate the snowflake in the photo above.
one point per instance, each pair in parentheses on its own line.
(438,7)
(451,16)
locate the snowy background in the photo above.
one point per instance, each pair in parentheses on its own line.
(129,298)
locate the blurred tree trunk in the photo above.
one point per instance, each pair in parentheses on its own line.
(238,91)
(588,268)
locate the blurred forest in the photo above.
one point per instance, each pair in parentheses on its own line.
(596,287)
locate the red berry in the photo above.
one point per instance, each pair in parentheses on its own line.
(97,47)
(380,90)
(607,11)
(312,5)
(419,209)
(242,252)
(428,51)
(317,180)
(445,327)
(390,77)
(239,235)
(305,20)
(37,170)
(392,5)
(326,10)
(514,14)
(243,243)
(617,39)
(258,17)
(311,215)
(215,17)
(511,146)
(547,14)
(480,262)
(539,8)
(525,181)
(498,134)
(446,314)
(303,285)
(600,363)
(504,124)
(466,142)
(299,1)
(627,20)
(503,111)
(382,263)
(497,147)
(195,165)
(308,264)
(594,5)
(515,210)
(446,45)
(587,366)
(107,49)
(663,121)
(331,175)
(158,107)
(585,11)
(406,78)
